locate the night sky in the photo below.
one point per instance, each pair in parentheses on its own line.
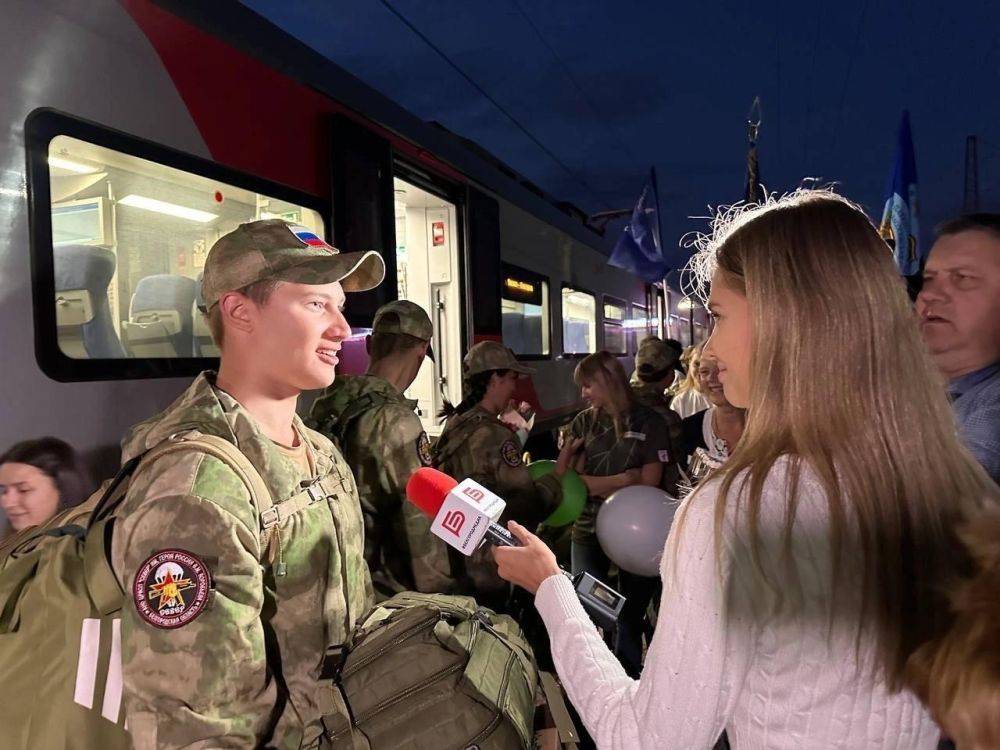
(583,97)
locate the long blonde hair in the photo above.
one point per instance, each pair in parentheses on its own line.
(840,382)
(691,359)
(605,369)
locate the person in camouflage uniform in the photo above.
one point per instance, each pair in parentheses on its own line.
(382,439)
(225,629)
(476,444)
(655,364)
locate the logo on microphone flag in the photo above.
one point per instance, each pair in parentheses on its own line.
(465,515)
(453,521)
(475,494)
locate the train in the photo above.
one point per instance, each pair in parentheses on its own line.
(138,132)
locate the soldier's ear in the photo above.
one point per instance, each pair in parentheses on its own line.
(236,311)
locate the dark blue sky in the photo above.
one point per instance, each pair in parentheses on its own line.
(600,91)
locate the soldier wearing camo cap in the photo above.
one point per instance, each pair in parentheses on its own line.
(656,361)
(230,611)
(384,442)
(476,444)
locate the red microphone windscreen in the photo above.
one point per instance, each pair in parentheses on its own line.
(428,488)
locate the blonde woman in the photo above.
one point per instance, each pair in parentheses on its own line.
(621,443)
(689,398)
(799,576)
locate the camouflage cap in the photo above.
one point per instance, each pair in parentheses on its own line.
(275,249)
(655,355)
(403,317)
(491,355)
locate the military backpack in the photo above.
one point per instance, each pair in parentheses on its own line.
(435,672)
(60,614)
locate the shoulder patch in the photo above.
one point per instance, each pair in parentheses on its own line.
(663,455)
(424,449)
(171,588)
(510,453)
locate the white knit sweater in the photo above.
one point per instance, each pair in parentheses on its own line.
(719,660)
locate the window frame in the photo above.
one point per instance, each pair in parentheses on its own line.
(532,276)
(616,302)
(40,127)
(632,334)
(562,334)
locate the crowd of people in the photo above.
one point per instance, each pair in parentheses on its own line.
(830,579)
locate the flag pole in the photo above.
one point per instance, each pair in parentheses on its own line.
(752,192)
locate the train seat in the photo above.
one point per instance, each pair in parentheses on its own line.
(160,321)
(204,346)
(84,325)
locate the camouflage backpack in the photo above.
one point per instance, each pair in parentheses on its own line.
(435,672)
(336,428)
(60,614)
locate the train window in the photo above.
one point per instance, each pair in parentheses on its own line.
(614,326)
(638,325)
(676,328)
(524,303)
(122,245)
(579,321)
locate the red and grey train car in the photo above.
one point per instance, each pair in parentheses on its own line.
(137,132)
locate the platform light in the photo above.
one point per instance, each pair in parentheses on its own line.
(685,304)
(170,209)
(72,166)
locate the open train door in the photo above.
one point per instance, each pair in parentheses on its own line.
(428,265)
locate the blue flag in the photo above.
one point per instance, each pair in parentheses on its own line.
(899,225)
(639,249)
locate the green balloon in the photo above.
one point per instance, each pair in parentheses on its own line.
(574,493)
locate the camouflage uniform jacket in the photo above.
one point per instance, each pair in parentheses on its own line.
(476,445)
(384,443)
(653,397)
(606,453)
(245,670)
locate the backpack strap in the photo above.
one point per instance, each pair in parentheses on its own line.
(101,581)
(568,736)
(451,441)
(337,427)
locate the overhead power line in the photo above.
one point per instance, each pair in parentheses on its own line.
(847,75)
(517,123)
(580,90)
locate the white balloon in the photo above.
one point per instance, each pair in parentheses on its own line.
(632,528)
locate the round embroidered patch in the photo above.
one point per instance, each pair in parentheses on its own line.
(424,449)
(510,453)
(171,588)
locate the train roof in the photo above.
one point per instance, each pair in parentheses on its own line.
(258,37)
